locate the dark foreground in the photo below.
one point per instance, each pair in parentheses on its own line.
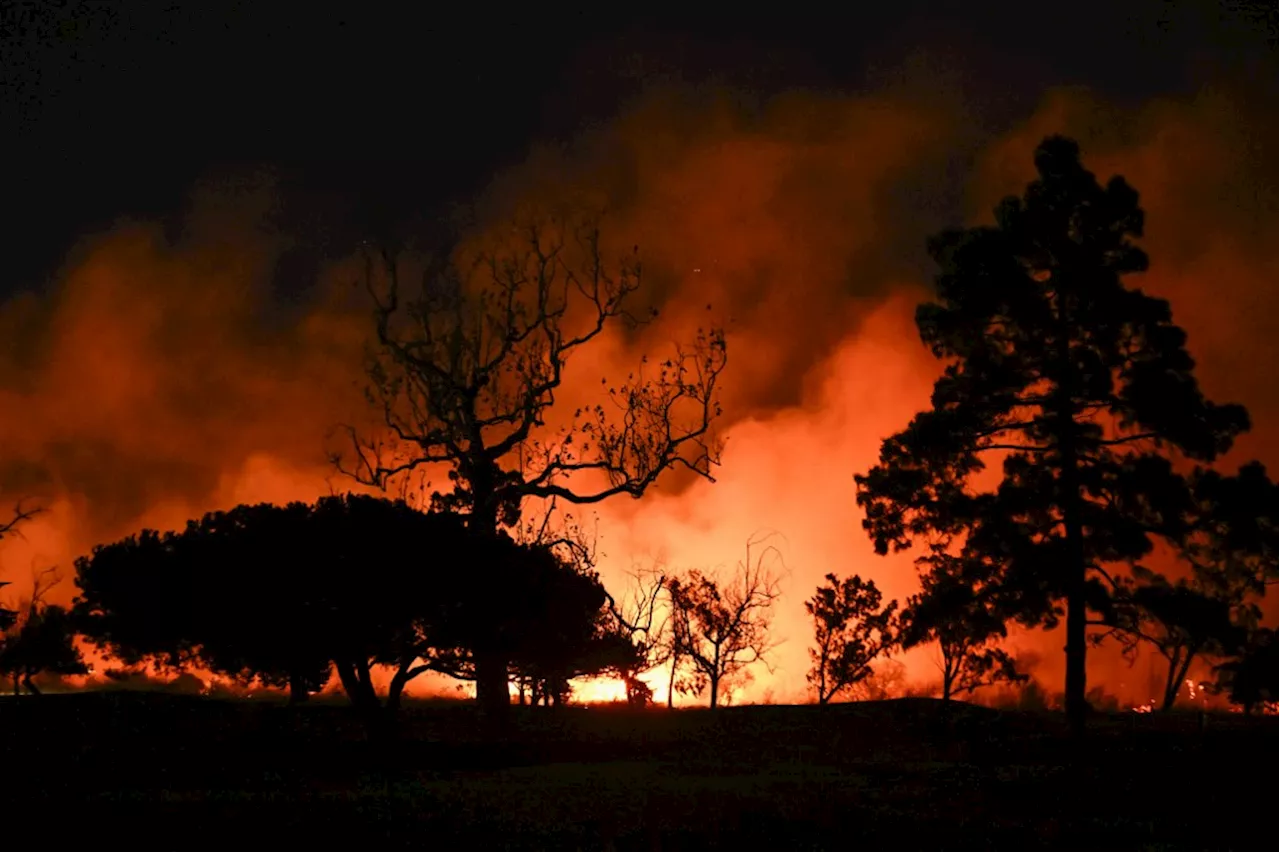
(178,773)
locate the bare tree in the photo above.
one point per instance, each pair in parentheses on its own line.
(468,368)
(721,631)
(21,514)
(642,619)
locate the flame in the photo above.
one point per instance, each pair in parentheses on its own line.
(156,382)
(608,690)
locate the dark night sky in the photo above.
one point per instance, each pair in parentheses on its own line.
(112,109)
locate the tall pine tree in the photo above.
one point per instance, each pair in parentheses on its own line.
(1078,385)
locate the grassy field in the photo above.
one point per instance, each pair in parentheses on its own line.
(171,772)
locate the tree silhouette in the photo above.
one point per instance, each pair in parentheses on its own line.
(1252,675)
(139,600)
(1229,533)
(389,577)
(850,630)
(41,640)
(955,610)
(556,626)
(1182,622)
(282,594)
(21,514)
(721,631)
(253,612)
(1226,534)
(43,643)
(469,369)
(1074,379)
(641,618)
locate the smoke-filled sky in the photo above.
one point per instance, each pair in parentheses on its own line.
(180,330)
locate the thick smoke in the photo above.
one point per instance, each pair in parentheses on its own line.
(159,380)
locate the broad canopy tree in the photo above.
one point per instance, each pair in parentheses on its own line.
(282,594)
(286,594)
(1071,380)
(470,366)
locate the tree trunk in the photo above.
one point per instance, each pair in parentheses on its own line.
(355,681)
(1073,525)
(31,687)
(1177,674)
(492,695)
(350,685)
(671,683)
(365,676)
(395,690)
(715,691)
(298,692)
(1074,564)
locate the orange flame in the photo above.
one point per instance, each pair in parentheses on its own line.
(149,388)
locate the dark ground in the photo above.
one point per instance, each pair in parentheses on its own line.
(171,772)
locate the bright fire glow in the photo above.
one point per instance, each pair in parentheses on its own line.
(150,395)
(599,690)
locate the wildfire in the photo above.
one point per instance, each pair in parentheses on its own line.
(604,690)
(194,412)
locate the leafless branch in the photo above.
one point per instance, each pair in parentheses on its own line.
(722,626)
(20,514)
(466,371)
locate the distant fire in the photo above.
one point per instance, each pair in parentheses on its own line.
(150,393)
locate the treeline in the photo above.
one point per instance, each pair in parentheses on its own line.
(287,596)
(1066,442)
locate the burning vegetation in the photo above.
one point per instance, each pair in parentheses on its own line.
(1068,468)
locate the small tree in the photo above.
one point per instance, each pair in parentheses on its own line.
(1182,621)
(647,628)
(721,631)
(468,371)
(850,630)
(40,641)
(954,610)
(1225,534)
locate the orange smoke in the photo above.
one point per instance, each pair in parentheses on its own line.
(157,381)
